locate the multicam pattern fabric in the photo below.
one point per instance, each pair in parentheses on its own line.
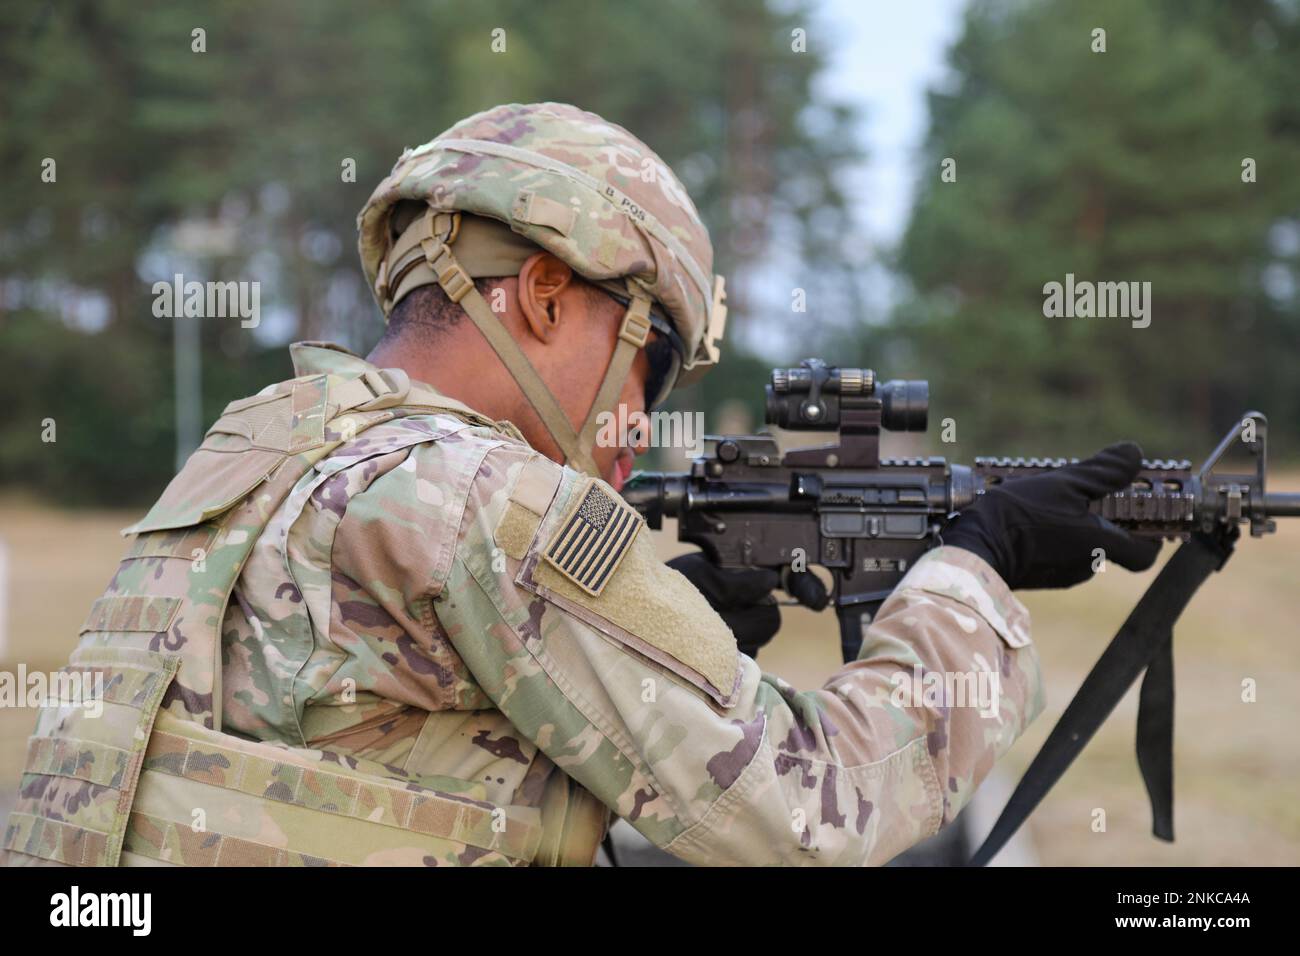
(571,182)
(83,762)
(391,625)
(379,632)
(325,811)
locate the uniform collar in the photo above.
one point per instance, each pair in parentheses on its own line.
(326,358)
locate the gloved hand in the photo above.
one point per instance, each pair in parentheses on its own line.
(1038,533)
(743,598)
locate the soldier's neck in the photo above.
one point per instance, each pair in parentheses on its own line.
(461,365)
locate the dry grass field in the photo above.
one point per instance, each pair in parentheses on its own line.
(1237,791)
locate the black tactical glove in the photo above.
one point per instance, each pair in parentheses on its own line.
(1038,533)
(743,598)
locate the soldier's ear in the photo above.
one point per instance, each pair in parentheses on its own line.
(543,279)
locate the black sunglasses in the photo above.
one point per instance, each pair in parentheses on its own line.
(664,353)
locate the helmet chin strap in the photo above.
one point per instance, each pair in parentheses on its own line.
(436,233)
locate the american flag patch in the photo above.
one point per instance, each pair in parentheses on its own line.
(593,539)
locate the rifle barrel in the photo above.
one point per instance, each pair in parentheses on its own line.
(1282,504)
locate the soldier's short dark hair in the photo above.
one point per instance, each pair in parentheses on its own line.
(426,313)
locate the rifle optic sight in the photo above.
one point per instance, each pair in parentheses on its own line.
(817,397)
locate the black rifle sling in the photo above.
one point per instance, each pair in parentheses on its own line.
(1144,642)
(1155,737)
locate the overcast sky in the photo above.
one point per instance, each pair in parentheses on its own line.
(884,56)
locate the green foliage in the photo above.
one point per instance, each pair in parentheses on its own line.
(246,142)
(1117,166)
(1123,165)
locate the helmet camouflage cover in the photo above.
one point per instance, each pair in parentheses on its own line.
(582,188)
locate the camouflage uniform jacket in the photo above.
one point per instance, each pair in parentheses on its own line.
(404,609)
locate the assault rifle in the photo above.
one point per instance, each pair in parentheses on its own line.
(868,519)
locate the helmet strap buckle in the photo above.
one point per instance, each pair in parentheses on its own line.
(635,330)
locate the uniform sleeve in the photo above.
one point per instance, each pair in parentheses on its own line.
(625,677)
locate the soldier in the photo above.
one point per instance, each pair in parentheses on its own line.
(395,612)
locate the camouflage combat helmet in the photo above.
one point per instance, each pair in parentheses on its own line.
(478,199)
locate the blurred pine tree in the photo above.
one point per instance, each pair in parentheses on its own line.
(1123,165)
(228,164)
